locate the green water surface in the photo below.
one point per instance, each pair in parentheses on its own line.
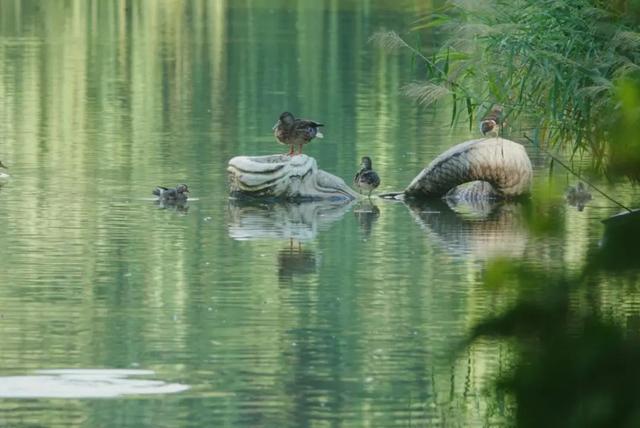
(356,322)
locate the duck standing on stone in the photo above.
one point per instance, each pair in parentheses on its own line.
(491,124)
(177,195)
(366,180)
(291,131)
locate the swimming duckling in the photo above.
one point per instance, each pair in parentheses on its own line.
(366,179)
(4,177)
(177,195)
(492,122)
(291,131)
(578,196)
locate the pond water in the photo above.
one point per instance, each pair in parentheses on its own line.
(212,307)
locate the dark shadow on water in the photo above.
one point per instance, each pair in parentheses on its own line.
(618,248)
(577,359)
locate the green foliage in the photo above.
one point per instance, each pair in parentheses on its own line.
(553,64)
(624,155)
(576,365)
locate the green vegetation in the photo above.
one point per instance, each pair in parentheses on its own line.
(576,356)
(568,75)
(566,69)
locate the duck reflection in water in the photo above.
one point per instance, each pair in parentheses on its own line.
(293,261)
(179,207)
(367,213)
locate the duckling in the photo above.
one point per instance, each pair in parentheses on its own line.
(492,122)
(4,177)
(177,195)
(291,131)
(578,196)
(366,179)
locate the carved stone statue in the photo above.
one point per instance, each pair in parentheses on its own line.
(285,178)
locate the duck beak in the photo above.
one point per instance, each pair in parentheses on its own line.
(276,125)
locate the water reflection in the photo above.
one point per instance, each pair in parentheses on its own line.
(180,207)
(294,260)
(367,213)
(102,100)
(482,229)
(84,383)
(257,220)
(577,364)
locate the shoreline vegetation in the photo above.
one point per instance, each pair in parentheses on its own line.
(570,70)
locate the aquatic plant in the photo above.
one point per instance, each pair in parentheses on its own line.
(575,350)
(553,64)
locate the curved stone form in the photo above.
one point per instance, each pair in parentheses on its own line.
(502,163)
(286,178)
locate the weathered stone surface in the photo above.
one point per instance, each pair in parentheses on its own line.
(501,163)
(285,178)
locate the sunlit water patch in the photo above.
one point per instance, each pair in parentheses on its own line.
(85,383)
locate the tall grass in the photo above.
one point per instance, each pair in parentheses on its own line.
(554,64)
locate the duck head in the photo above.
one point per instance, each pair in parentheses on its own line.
(286,119)
(497,110)
(182,188)
(366,162)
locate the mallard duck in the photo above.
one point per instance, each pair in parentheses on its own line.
(179,194)
(4,177)
(366,179)
(291,131)
(578,196)
(492,122)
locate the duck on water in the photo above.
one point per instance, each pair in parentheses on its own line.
(4,177)
(175,195)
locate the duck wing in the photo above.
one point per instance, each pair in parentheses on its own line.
(307,129)
(159,191)
(357,176)
(370,177)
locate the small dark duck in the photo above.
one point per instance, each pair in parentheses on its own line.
(366,180)
(179,194)
(578,196)
(295,132)
(4,177)
(491,124)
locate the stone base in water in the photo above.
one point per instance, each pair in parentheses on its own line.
(285,178)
